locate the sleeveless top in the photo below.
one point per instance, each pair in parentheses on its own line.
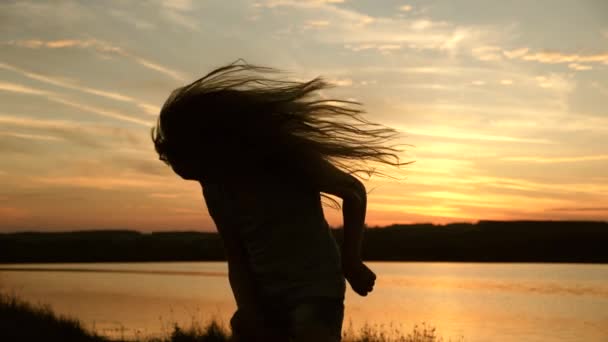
(291,251)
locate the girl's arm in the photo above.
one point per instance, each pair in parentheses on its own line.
(329,179)
(249,319)
(239,275)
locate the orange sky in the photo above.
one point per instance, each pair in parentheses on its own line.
(503,102)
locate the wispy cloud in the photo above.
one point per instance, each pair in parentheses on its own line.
(101,47)
(484,102)
(583,209)
(103,183)
(579,67)
(316,24)
(551,160)
(21,89)
(341,82)
(558,82)
(555,57)
(31,136)
(146,107)
(132,19)
(178,13)
(527,185)
(573,60)
(516,53)
(487,53)
(36,123)
(405,8)
(160,68)
(90,135)
(164,195)
(358,31)
(296,3)
(101,111)
(451,133)
(178,5)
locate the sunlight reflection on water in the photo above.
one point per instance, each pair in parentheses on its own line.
(482,302)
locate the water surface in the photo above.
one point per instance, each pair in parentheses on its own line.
(482,302)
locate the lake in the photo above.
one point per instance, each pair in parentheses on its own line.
(480,302)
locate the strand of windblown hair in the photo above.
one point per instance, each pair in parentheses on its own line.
(334,128)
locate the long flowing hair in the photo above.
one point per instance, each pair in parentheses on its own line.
(238,117)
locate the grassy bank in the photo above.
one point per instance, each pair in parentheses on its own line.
(22,321)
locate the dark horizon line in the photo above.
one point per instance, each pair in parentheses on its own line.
(214,231)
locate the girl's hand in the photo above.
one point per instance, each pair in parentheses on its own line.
(360,277)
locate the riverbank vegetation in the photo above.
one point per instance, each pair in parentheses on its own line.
(23,321)
(485,241)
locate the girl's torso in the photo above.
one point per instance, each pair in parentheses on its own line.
(290,248)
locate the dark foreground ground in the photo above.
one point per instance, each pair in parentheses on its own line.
(486,241)
(21,321)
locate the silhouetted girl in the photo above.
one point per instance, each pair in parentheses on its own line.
(263,150)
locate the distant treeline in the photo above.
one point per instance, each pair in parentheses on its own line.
(486,241)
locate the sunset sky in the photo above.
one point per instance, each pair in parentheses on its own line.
(504,102)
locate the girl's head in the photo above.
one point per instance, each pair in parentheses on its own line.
(237,120)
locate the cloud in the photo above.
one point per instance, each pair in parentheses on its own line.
(487,53)
(131,19)
(358,31)
(556,57)
(178,5)
(100,182)
(383,48)
(506,82)
(486,186)
(452,133)
(181,19)
(60,44)
(556,82)
(91,135)
(517,53)
(579,67)
(142,164)
(405,8)
(297,3)
(316,24)
(163,195)
(17,88)
(146,107)
(178,13)
(101,47)
(160,68)
(574,60)
(31,136)
(36,123)
(602,89)
(21,89)
(583,209)
(552,160)
(102,111)
(344,82)
(21,144)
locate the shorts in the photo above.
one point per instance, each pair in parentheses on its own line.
(311,319)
